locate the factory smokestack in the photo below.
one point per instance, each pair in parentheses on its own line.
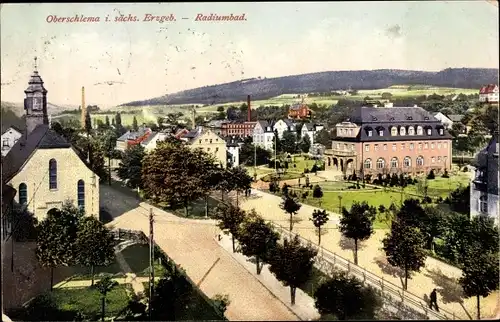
(249,109)
(84,108)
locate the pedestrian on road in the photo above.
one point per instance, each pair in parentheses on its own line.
(434,300)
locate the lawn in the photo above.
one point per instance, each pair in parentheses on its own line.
(340,185)
(441,187)
(301,164)
(259,170)
(88,300)
(285,176)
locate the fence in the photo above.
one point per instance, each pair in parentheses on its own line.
(140,237)
(326,261)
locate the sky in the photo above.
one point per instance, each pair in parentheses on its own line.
(146,59)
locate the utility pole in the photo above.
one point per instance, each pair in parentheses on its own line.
(254,159)
(109,164)
(151,259)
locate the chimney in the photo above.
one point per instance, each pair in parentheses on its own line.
(84,108)
(249,109)
(193,117)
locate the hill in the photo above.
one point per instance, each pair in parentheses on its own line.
(264,88)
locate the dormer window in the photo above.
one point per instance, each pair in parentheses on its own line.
(441,132)
(391,119)
(411,130)
(409,118)
(370,133)
(381,132)
(426,118)
(429,131)
(402,131)
(420,130)
(394,131)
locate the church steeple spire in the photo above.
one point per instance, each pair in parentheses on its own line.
(35,103)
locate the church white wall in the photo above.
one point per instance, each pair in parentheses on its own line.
(70,169)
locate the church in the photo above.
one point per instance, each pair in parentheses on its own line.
(43,167)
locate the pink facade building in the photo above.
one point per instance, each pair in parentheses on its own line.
(390,140)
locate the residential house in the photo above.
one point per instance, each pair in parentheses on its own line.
(484,183)
(284,125)
(488,94)
(263,134)
(209,142)
(43,167)
(216,126)
(150,143)
(390,140)
(233,145)
(132,138)
(9,138)
(180,133)
(310,129)
(299,111)
(445,120)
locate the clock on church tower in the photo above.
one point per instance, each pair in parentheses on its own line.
(35,103)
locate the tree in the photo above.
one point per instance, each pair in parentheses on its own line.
(289,142)
(220,108)
(172,174)
(107,121)
(346,298)
(277,144)
(290,206)
(258,239)
(230,218)
(225,184)
(434,225)
(357,223)
(96,158)
(318,193)
(94,244)
(135,127)
(118,120)
(305,144)
(479,275)
(253,155)
(211,178)
(404,248)
(323,137)
(241,179)
(104,286)
(130,167)
(88,123)
(56,238)
(459,200)
(386,95)
(319,218)
(292,263)
(113,122)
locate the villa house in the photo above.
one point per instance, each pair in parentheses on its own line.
(284,125)
(263,134)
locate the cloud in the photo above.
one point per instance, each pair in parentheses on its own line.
(393,31)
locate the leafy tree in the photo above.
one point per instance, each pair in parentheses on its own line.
(226,183)
(459,200)
(251,155)
(346,298)
(323,137)
(94,244)
(88,123)
(172,174)
(257,238)
(241,179)
(113,122)
(434,225)
(230,219)
(211,179)
(24,225)
(404,248)
(56,238)
(305,144)
(479,275)
(319,219)
(135,127)
(412,214)
(108,141)
(318,193)
(96,158)
(289,142)
(221,302)
(357,223)
(107,121)
(290,206)
(104,286)
(292,263)
(220,108)
(118,120)
(130,167)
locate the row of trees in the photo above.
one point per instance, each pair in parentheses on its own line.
(292,263)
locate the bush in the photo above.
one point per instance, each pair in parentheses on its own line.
(465,169)
(306,170)
(426,199)
(445,174)
(431,175)
(305,194)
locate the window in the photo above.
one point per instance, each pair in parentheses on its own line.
(345,147)
(402,131)
(370,133)
(439,159)
(432,146)
(420,146)
(439,145)
(394,147)
(380,163)
(403,146)
(376,147)
(208,149)
(368,164)
(483,203)
(394,162)
(411,130)
(5,143)
(216,149)
(426,145)
(367,147)
(407,162)
(381,132)
(351,132)
(411,146)
(385,147)
(352,147)
(441,132)
(394,131)
(445,145)
(210,141)
(81,194)
(419,130)
(429,131)
(23,194)
(200,141)
(52,174)
(420,161)
(433,160)
(338,145)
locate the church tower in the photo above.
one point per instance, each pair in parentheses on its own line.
(35,103)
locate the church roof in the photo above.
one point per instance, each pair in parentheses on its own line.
(35,84)
(42,137)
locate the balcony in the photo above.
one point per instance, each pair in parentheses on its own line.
(340,153)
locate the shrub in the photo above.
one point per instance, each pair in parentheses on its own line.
(431,175)
(445,174)
(306,170)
